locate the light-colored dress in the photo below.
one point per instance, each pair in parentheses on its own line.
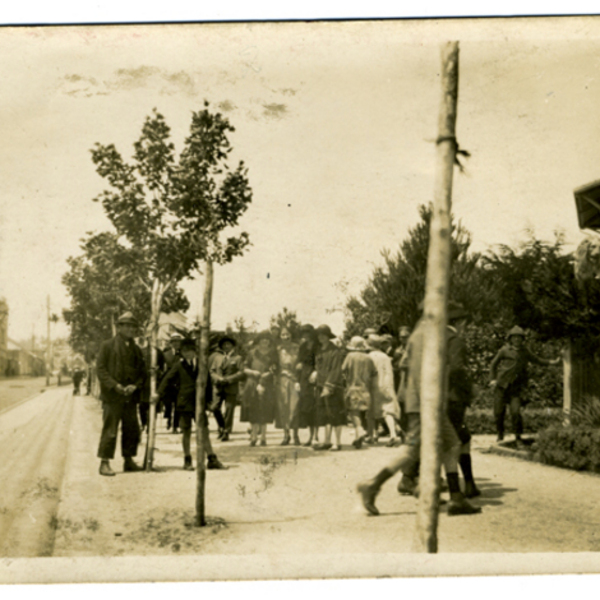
(384,398)
(286,415)
(359,375)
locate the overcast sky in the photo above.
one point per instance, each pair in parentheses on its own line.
(335,122)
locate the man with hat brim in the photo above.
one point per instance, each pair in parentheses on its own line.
(359,374)
(171,356)
(330,406)
(509,377)
(185,373)
(226,372)
(121,373)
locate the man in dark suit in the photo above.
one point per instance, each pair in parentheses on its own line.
(121,373)
(184,373)
(172,356)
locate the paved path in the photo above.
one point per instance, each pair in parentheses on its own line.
(34,438)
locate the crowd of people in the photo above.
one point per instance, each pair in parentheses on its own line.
(308,382)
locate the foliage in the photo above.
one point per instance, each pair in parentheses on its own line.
(103,282)
(394,292)
(481,420)
(539,291)
(570,447)
(586,413)
(286,319)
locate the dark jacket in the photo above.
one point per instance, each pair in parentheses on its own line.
(120,362)
(184,376)
(509,367)
(226,371)
(328,364)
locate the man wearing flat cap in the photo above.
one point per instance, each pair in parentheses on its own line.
(121,373)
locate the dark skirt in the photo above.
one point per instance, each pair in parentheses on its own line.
(257,408)
(330,410)
(307,407)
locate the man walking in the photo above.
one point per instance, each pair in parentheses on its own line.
(172,356)
(121,373)
(410,450)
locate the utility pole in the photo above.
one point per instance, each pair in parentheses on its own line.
(48,342)
(433,372)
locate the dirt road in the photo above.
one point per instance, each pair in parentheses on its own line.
(34,438)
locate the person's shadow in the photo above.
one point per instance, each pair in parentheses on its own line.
(491,492)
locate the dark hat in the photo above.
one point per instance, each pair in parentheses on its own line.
(456,311)
(188,343)
(308,328)
(516,330)
(325,330)
(127,319)
(263,335)
(227,338)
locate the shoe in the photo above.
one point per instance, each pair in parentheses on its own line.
(105,469)
(297,441)
(221,433)
(308,444)
(407,486)
(335,448)
(225,437)
(462,507)
(368,495)
(358,442)
(322,446)
(187,464)
(393,443)
(129,466)
(214,463)
(471,490)
(253,442)
(285,441)
(263,442)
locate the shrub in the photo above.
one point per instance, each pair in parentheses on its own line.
(481,420)
(575,448)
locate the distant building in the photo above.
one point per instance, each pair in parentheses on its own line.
(21,362)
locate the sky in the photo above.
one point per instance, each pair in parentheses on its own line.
(335,122)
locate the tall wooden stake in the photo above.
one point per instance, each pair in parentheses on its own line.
(202,431)
(435,311)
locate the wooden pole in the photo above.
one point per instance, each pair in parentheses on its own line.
(201,431)
(156,302)
(567,383)
(433,379)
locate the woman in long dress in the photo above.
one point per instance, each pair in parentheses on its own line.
(305,366)
(258,397)
(286,416)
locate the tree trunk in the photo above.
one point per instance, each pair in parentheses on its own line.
(433,372)
(201,382)
(155,304)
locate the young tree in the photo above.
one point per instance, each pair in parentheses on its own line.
(104,282)
(210,198)
(171,213)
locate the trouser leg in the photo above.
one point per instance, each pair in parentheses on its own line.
(515,416)
(230,403)
(111,417)
(130,430)
(499,411)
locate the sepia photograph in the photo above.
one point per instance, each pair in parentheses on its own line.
(298,300)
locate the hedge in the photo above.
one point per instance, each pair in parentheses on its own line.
(481,420)
(575,448)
